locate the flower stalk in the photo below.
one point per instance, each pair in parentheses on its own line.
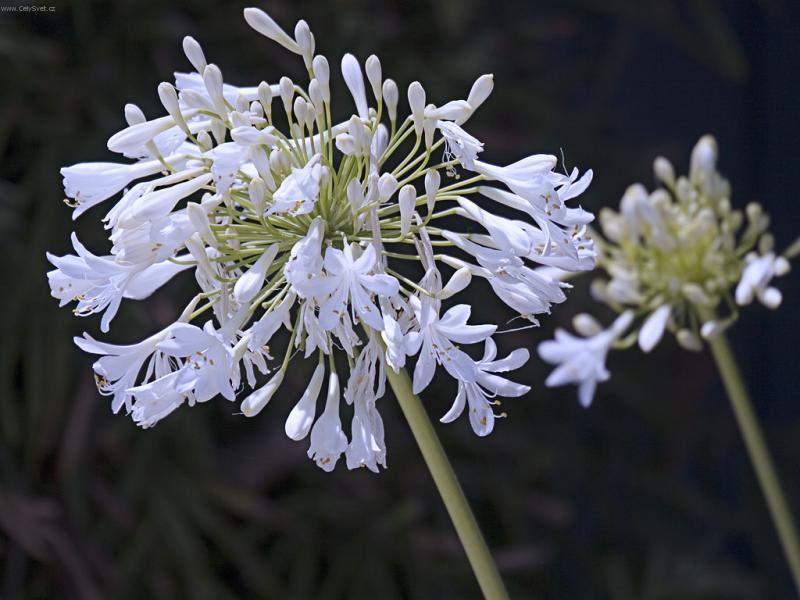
(758,451)
(444,477)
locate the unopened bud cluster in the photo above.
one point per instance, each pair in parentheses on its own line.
(679,259)
(682,252)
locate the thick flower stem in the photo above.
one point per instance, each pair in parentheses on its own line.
(759,454)
(453,496)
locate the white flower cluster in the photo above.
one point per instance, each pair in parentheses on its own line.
(673,257)
(292,221)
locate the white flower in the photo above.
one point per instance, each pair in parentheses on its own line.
(116,371)
(227,159)
(582,361)
(209,361)
(435,343)
(155,400)
(366,385)
(460,145)
(299,191)
(99,283)
(487,384)
(305,258)
(328,441)
(756,277)
(349,282)
(308,239)
(91,183)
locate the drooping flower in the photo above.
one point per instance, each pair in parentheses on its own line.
(295,229)
(475,394)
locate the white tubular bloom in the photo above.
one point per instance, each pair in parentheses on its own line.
(328,441)
(298,193)
(89,184)
(312,240)
(582,361)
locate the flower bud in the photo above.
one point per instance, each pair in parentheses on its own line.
(322,73)
(256,109)
(387,185)
(204,140)
(299,422)
(198,251)
(241,104)
(257,190)
(704,157)
(300,109)
(416,100)
(212,77)
(266,26)
(251,282)
(351,71)
(478,94)
(315,93)
(586,325)
(199,220)
(262,165)
(265,98)
(689,340)
(194,53)
(134,114)
(255,402)
(459,281)
(391,97)
(429,128)
(712,329)
(169,98)
(287,93)
(374,75)
(305,40)
(432,182)
(355,195)
(664,171)
(407,201)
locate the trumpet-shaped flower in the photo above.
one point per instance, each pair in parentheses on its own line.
(582,360)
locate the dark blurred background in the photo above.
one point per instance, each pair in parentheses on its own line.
(647,495)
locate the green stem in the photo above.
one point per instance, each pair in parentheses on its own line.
(453,496)
(759,454)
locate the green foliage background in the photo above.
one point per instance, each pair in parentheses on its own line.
(648,495)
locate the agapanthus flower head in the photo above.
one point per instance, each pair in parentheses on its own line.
(333,230)
(681,258)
